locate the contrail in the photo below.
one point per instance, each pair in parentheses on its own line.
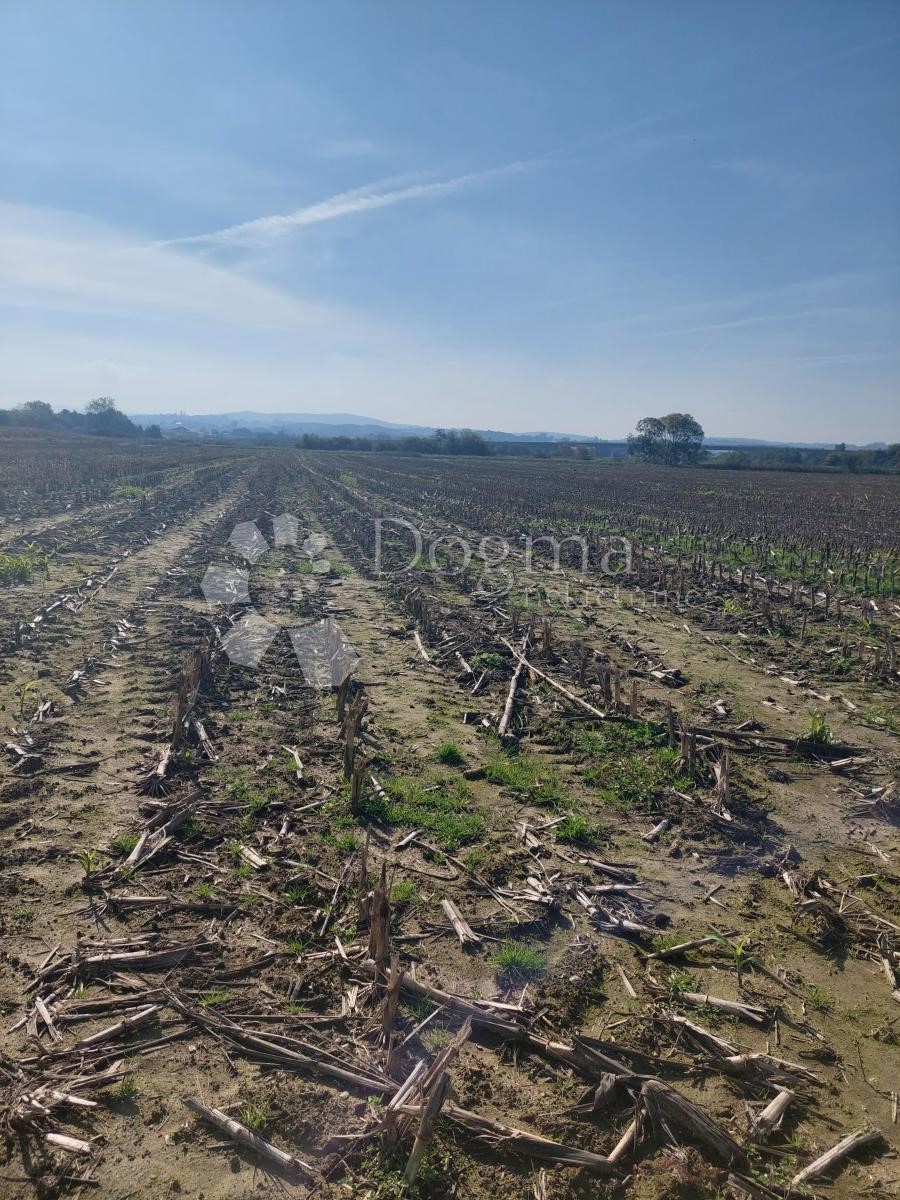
(345,204)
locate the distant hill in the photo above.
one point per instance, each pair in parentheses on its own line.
(732,442)
(255,424)
(323,425)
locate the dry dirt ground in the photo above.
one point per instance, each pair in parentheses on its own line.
(240,930)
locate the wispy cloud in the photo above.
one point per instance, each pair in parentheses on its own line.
(346,204)
(837,292)
(759,319)
(58,262)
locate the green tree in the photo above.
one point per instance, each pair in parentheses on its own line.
(105,419)
(101,407)
(34,412)
(674,439)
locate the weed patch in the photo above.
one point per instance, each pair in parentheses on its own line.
(254,1114)
(449,754)
(123,844)
(629,763)
(681,981)
(819,730)
(577,830)
(514,962)
(442,809)
(18,568)
(525,774)
(213,999)
(819,998)
(403,892)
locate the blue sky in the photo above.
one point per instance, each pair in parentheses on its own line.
(513,215)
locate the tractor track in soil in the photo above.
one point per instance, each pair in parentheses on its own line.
(127,642)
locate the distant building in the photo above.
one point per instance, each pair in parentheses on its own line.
(180,430)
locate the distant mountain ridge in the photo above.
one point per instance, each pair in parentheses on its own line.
(354,425)
(328,425)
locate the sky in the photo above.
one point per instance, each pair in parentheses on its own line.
(508,214)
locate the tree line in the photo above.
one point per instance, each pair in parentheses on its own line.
(101,418)
(794,458)
(673,440)
(461,441)
(442,441)
(677,440)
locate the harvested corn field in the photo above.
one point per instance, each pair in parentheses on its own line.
(374,826)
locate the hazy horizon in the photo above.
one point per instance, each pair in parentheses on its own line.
(497,216)
(337,418)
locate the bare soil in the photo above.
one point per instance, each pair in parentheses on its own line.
(279,949)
